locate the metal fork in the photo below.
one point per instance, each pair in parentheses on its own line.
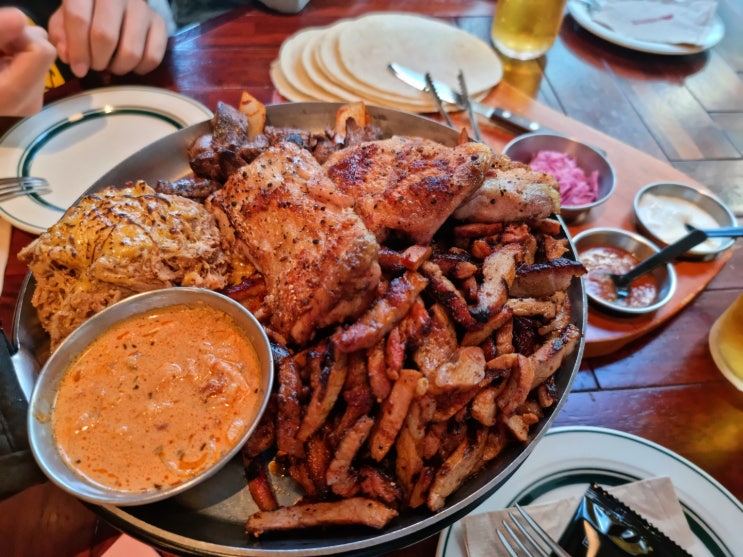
(16,186)
(527,541)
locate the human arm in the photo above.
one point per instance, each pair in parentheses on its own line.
(25,58)
(120,36)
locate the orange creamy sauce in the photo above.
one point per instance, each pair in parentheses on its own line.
(157,399)
(599,261)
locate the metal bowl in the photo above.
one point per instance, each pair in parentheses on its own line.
(41,405)
(641,248)
(656,218)
(524,147)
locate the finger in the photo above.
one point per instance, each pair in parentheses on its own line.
(23,78)
(107,30)
(154,50)
(77,15)
(56,35)
(134,32)
(12,24)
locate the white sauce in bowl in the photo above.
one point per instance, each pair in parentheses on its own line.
(666,217)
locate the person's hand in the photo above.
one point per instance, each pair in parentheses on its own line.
(120,36)
(25,58)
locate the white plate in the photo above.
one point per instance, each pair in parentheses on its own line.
(568,459)
(580,13)
(74,141)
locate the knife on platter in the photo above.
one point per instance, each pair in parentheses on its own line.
(499,116)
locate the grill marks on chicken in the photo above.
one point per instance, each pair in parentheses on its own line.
(408,185)
(318,259)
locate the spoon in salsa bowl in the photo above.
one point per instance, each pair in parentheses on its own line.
(694,237)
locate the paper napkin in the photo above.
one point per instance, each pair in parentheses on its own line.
(654,498)
(658,21)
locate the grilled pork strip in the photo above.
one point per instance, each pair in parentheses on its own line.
(356,510)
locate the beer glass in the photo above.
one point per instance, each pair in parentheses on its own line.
(526,29)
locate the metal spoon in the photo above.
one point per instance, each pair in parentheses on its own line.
(696,236)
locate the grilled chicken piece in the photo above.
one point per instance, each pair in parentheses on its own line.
(356,510)
(408,185)
(512,194)
(318,258)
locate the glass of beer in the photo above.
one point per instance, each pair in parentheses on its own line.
(526,29)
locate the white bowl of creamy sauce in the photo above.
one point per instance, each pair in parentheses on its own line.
(150,396)
(663,209)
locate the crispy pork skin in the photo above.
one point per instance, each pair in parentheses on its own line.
(317,257)
(512,193)
(408,185)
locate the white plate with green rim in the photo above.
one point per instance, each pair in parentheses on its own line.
(74,141)
(568,459)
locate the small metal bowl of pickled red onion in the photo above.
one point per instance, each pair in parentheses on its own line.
(614,250)
(150,396)
(663,209)
(584,174)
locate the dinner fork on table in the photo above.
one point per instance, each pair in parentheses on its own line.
(526,537)
(16,186)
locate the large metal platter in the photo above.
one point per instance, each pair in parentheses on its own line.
(209,519)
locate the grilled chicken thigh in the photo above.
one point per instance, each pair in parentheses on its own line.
(511,193)
(409,185)
(318,259)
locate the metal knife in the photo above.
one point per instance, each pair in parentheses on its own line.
(499,116)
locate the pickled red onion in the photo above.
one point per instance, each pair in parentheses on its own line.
(575,187)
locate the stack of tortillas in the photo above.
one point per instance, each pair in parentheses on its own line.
(347,61)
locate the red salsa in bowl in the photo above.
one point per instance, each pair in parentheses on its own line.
(605,251)
(600,261)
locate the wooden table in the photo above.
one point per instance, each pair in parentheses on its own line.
(685,112)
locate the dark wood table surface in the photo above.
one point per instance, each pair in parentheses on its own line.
(686,111)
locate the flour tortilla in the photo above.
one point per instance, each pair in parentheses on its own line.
(424,44)
(292,68)
(329,61)
(312,63)
(284,87)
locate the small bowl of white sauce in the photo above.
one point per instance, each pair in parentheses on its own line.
(663,209)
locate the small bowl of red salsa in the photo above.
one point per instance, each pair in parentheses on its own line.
(613,250)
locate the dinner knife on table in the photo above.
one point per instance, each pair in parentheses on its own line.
(499,116)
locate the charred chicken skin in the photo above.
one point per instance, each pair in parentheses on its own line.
(408,185)
(318,259)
